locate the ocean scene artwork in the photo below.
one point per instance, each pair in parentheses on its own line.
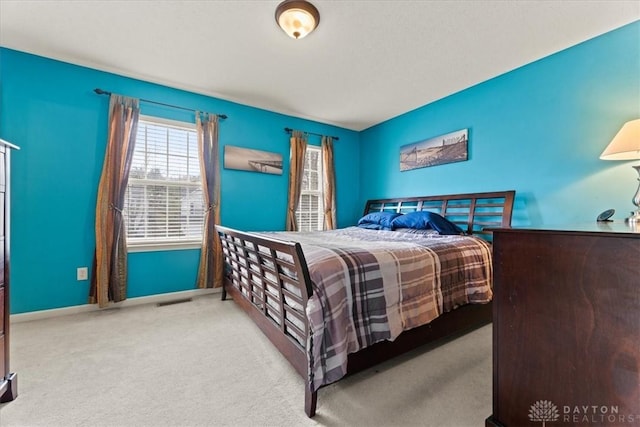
(448,148)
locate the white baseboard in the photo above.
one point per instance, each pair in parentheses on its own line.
(151,299)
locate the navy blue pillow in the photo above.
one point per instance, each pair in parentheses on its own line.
(425,220)
(378,220)
(370,226)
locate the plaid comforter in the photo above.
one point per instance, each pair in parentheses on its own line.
(369,286)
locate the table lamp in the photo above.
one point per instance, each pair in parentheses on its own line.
(626,146)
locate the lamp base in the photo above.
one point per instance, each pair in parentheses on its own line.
(635,215)
(634,218)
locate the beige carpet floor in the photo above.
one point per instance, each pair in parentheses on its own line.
(204,363)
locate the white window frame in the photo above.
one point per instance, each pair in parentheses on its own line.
(160,244)
(317,192)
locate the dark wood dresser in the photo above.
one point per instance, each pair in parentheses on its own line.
(8,380)
(566,326)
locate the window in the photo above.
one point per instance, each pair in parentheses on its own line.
(310,212)
(163,203)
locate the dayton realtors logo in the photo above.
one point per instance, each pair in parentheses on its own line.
(545,411)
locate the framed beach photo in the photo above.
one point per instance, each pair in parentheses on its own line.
(247,159)
(448,148)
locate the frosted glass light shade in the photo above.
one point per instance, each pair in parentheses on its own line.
(626,144)
(297,18)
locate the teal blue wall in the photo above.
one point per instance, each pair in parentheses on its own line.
(539,130)
(49,109)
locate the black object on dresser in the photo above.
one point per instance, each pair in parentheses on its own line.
(566,326)
(8,379)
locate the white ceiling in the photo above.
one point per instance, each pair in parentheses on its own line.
(368,61)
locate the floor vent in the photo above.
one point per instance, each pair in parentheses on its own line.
(175,301)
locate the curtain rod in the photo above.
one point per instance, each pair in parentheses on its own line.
(289,130)
(104,92)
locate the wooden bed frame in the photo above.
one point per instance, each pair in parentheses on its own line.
(253,261)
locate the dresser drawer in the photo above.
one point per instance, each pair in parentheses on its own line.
(2,261)
(3,369)
(2,197)
(2,311)
(3,179)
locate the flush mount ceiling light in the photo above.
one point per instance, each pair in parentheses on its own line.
(297,18)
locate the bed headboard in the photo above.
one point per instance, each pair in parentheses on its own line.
(473,212)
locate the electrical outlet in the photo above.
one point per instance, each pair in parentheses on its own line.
(82,273)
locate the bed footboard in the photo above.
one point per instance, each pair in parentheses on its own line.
(269,279)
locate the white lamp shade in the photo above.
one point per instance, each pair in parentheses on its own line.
(626,144)
(297,18)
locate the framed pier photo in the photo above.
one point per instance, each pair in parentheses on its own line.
(247,159)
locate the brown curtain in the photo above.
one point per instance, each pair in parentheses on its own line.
(329,183)
(109,274)
(296,170)
(210,268)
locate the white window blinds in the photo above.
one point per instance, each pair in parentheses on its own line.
(310,212)
(163,202)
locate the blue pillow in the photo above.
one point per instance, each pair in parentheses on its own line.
(370,226)
(425,220)
(378,220)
